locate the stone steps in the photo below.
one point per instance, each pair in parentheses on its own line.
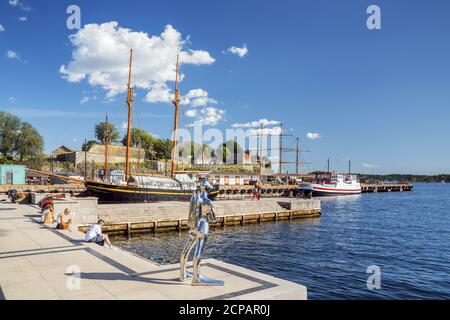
(152,213)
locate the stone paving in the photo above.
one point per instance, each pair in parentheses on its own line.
(38,262)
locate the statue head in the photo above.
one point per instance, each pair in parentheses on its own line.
(205,185)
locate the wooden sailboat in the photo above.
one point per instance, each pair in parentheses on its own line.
(144,188)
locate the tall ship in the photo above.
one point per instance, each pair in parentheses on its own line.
(332,184)
(135,187)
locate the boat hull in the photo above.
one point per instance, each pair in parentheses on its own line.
(321,190)
(107,192)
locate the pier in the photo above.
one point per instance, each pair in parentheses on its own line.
(38,262)
(386,187)
(172,216)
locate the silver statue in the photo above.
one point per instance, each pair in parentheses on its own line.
(201,213)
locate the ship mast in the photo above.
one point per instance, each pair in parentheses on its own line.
(105,176)
(281,149)
(130,109)
(175,102)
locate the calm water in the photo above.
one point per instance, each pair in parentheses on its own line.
(406,234)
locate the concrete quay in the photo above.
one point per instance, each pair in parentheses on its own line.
(39,262)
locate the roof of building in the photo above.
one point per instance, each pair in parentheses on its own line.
(62,148)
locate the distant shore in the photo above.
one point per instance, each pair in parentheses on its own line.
(405,177)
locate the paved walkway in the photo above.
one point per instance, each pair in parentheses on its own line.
(38,262)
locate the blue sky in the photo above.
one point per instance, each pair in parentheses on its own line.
(378,97)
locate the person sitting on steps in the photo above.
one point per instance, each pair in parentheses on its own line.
(94,234)
(64,220)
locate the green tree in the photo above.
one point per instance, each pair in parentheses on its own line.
(230,151)
(100,132)
(87,145)
(141,138)
(9,131)
(162,149)
(29,143)
(222,153)
(206,152)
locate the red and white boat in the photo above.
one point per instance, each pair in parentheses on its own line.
(332,184)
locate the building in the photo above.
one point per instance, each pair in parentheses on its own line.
(12,174)
(96,154)
(61,150)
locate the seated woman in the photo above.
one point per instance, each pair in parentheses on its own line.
(64,220)
(47,216)
(47,201)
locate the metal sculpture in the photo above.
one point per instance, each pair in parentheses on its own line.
(201,213)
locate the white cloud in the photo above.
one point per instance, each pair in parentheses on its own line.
(2,28)
(21,5)
(313,136)
(241,52)
(191,113)
(124,125)
(12,99)
(74,139)
(197,98)
(23,18)
(159,92)
(84,100)
(255,124)
(101,53)
(275,131)
(12,55)
(370,165)
(208,116)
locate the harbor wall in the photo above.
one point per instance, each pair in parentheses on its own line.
(83,210)
(173,216)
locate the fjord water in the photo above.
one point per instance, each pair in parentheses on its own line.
(407,235)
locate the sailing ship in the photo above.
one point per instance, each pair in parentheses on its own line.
(138,187)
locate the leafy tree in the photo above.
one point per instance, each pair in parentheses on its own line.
(100,132)
(87,145)
(162,149)
(222,153)
(29,143)
(9,131)
(230,151)
(141,138)
(206,151)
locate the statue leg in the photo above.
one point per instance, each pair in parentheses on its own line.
(196,260)
(197,278)
(185,255)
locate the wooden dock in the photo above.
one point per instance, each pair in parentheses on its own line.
(386,187)
(172,216)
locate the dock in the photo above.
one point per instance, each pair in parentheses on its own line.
(386,187)
(172,216)
(38,262)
